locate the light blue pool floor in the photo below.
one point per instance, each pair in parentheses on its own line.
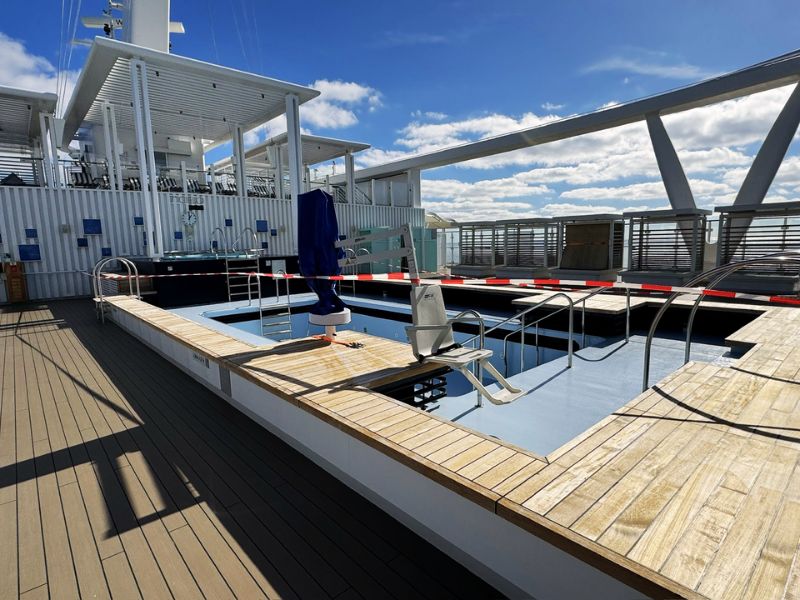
(562,403)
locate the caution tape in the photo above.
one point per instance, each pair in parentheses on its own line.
(537,283)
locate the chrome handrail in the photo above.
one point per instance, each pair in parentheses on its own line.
(224,239)
(241,235)
(723,271)
(97,271)
(277,288)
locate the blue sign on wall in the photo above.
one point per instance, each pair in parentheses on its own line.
(138,220)
(265,245)
(83,243)
(105,251)
(262,226)
(92,227)
(178,235)
(31,234)
(273,232)
(29,252)
(214,244)
(228,222)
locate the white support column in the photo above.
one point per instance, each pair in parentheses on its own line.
(415,184)
(138,122)
(350,177)
(768,160)
(279,191)
(295,156)
(306,178)
(110,170)
(151,161)
(672,174)
(213,182)
(238,161)
(184,183)
(115,146)
(47,160)
(50,127)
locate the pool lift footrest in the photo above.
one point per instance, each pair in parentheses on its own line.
(460,359)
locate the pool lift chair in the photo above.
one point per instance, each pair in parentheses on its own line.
(432,340)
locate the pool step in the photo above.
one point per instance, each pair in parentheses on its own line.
(277,326)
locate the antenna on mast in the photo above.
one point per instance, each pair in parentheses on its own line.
(146,19)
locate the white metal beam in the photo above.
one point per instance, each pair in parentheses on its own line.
(47,158)
(238,160)
(151,161)
(115,146)
(349,175)
(138,119)
(295,156)
(675,182)
(768,160)
(110,170)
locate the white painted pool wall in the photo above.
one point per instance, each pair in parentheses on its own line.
(516,562)
(57,215)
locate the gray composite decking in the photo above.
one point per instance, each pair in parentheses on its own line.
(121,476)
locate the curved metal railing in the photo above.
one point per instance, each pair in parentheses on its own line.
(720,273)
(97,283)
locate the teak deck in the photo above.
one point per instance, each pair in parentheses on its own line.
(692,489)
(122,476)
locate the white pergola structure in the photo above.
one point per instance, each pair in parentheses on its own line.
(776,72)
(123,86)
(273,154)
(28,136)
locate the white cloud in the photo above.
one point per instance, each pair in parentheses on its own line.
(429,114)
(549,106)
(391,39)
(337,105)
(22,69)
(644,62)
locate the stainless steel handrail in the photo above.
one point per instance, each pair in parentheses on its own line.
(721,270)
(241,235)
(523,326)
(583,300)
(224,239)
(277,288)
(97,271)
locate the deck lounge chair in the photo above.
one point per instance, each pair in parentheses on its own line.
(432,340)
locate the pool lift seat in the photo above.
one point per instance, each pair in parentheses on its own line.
(432,341)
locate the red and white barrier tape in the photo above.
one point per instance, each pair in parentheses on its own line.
(524,283)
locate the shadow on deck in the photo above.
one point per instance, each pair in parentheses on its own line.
(121,476)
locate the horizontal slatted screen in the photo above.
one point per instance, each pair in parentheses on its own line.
(19,161)
(750,235)
(676,245)
(479,245)
(530,245)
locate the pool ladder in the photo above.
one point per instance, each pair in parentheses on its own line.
(275,326)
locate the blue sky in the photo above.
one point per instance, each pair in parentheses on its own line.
(415,76)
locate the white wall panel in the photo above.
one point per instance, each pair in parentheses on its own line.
(61,271)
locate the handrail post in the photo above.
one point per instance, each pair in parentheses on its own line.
(522,344)
(627,314)
(569,339)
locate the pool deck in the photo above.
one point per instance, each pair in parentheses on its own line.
(692,489)
(122,476)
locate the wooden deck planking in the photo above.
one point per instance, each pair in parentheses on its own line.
(123,507)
